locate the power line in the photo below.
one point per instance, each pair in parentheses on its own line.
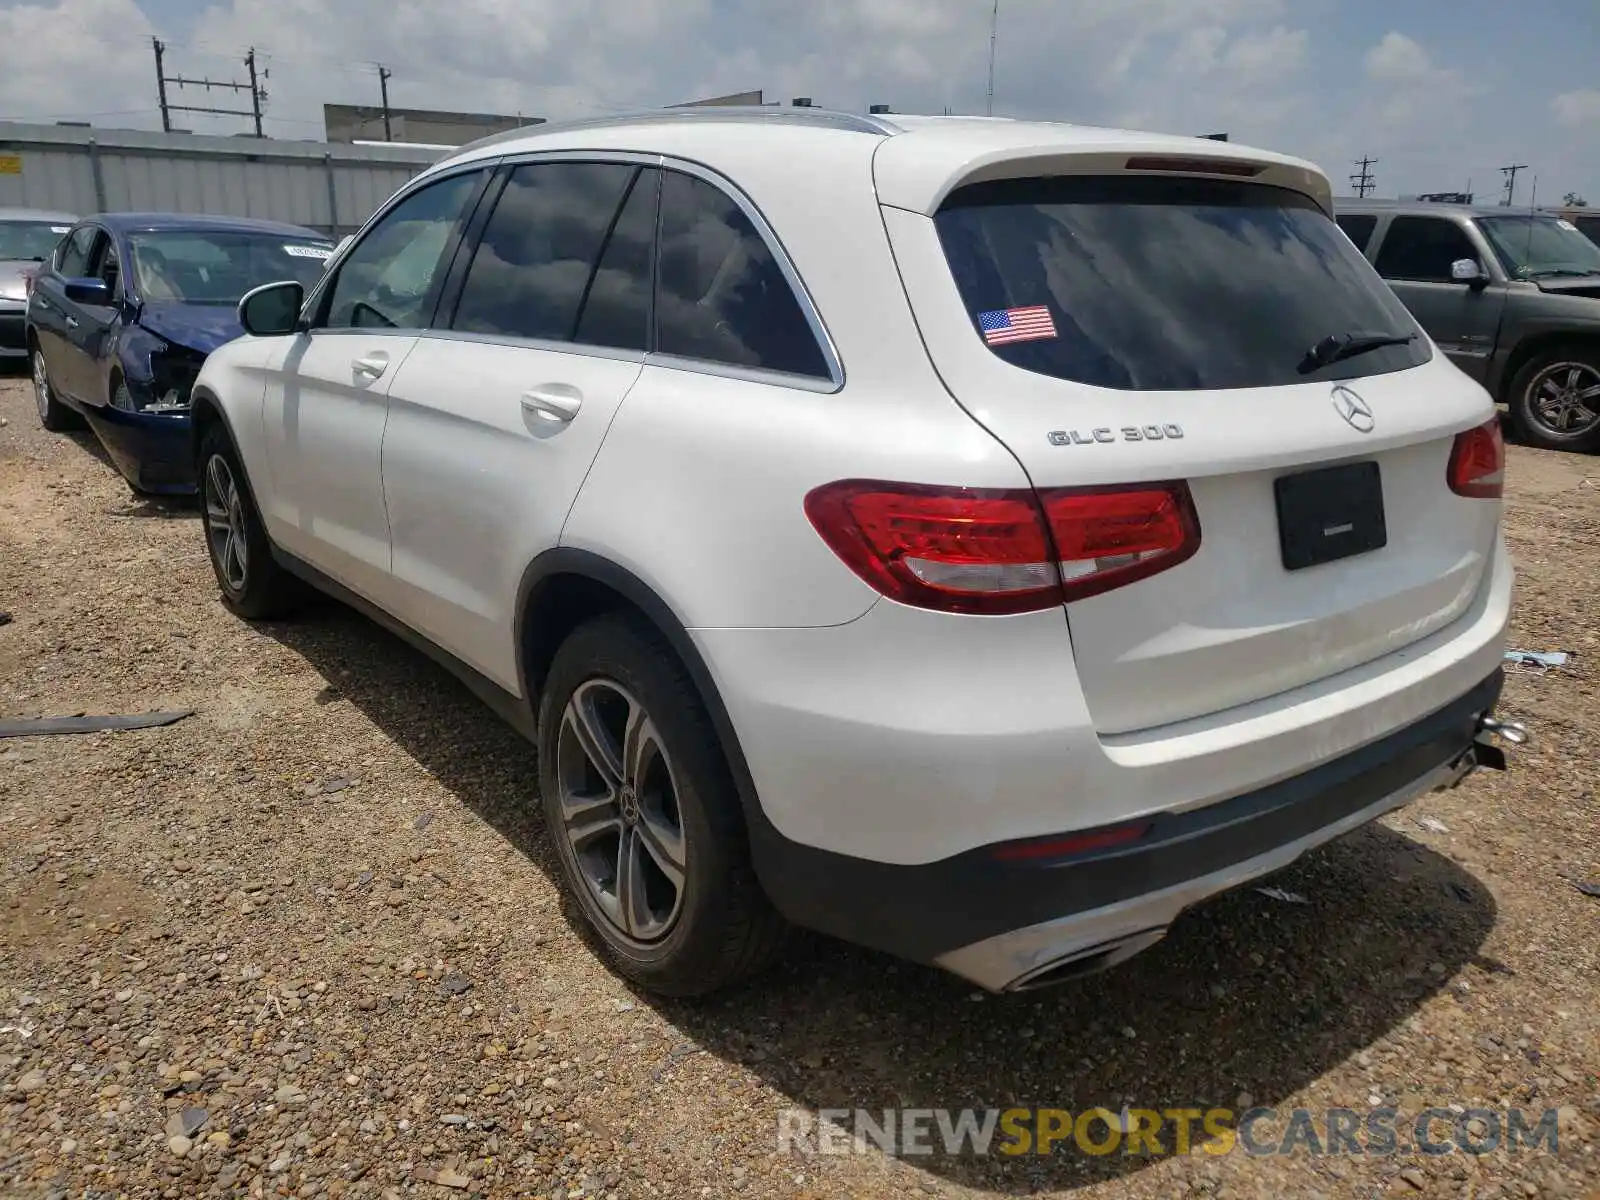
(257,94)
(1364,181)
(384,75)
(1511,181)
(994,31)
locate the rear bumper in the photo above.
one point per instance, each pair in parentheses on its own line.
(1004,924)
(154,452)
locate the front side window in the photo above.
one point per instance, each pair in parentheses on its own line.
(218,266)
(1153,283)
(1532,246)
(29,241)
(1422,249)
(387,280)
(721,296)
(72,259)
(533,264)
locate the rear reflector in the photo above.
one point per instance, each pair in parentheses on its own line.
(1070,844)
(989,551)
(1195,166)
(1478,462)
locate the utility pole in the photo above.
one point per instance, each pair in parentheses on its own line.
(994,31)
(1364,181)
(256,94)
(1511,181)
(161,85)
(383,85)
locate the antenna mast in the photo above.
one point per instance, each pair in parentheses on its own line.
(994,30)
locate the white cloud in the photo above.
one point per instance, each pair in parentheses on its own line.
(1578,109)
(1180,65)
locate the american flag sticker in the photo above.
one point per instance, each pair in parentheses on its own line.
(1004,325)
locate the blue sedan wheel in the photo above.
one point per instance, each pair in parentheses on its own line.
(53,415)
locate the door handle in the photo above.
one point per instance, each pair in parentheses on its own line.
(72,322)
(370,366)
(554,402)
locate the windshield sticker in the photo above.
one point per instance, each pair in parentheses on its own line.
(309,251)
(1003,326)
(1565,224)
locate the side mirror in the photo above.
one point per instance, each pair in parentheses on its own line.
(1469,271)
(88,291)
(273,309)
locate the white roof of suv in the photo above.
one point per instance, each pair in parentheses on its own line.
(915,161)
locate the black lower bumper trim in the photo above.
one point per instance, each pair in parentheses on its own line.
(925,910)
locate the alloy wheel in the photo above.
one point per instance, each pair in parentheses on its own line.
(1564,398)
(225,523)
(41,385)
(619,810)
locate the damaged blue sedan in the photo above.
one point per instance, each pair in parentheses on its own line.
(123,313)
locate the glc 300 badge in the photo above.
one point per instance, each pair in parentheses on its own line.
(1128,433)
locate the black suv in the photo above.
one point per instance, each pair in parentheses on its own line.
(1511,295)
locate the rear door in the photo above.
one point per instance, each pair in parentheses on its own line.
(1415,258)
(55,318)
(496,417)
(1124,333)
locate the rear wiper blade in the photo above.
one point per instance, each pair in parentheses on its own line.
(1337,347)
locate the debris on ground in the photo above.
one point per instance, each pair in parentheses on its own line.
(1272,893)
(1541,659)
(47,726)
(1589,889)
(1433,825)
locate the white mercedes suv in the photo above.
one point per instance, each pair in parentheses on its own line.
(975,539)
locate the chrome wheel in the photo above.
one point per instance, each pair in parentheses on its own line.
(41,385)
(1564,398)
(225,524)
(619,810)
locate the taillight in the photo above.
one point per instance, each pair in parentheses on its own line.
(1110,536)
(976,550)
(1478,462)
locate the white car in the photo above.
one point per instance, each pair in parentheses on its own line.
(979,540)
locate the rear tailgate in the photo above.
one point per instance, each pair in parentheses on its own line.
(1175,317)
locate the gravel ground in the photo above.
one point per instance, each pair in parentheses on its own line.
(307,942)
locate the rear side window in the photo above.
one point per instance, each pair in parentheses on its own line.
(1358,228)
(1421,249)
(533,264)
(721,296)
(1150,284)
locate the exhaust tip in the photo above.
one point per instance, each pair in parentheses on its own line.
(1090,960)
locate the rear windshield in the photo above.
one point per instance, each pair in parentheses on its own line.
(1149,284)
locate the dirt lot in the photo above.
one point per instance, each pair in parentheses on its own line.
(319,917)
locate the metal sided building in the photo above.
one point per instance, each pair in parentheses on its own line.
(326,186)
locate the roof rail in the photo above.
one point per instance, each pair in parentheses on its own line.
(774,114)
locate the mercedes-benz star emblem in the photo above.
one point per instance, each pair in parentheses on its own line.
(1355,410)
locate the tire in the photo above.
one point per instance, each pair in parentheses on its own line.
(677,805)
(253,585)
(53,415)
(1548,401)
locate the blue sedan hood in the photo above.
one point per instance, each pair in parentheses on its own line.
(201,327)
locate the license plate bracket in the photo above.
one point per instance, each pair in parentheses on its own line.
(1330,513)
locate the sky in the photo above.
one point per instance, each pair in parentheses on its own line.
(1441,93)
